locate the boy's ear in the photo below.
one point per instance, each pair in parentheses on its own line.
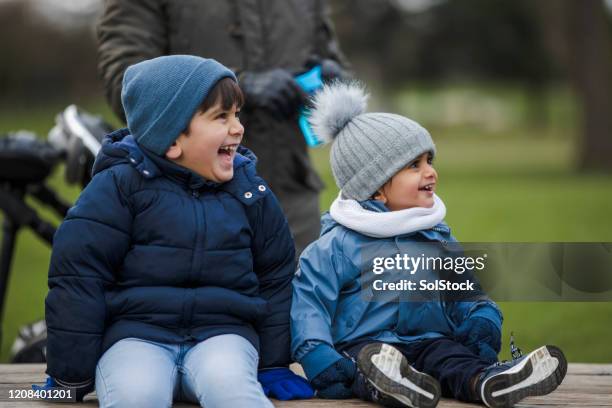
(380,196)
(174,151)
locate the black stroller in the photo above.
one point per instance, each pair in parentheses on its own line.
(25,163)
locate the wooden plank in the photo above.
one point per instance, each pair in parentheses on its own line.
(573,369)
(586,385)
(589,369)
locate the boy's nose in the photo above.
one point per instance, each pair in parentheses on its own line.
(237,129)
(429,171)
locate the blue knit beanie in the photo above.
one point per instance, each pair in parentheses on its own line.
(161,95)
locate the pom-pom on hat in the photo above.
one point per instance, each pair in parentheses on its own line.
(161,95)
(367,148)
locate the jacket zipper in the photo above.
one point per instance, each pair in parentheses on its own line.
(190,296)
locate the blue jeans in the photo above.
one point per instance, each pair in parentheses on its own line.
(218,372)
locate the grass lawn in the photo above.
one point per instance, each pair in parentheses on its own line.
(514,186)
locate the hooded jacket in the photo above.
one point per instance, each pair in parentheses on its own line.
(331,307)
(154,251)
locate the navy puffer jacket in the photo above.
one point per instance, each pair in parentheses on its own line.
(154,251)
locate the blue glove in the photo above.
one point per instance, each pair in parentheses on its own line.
(51,383)
(283,384)
(481,336)
(335,381)
(48,385)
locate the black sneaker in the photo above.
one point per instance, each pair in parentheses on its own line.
(397,383)
(538,373)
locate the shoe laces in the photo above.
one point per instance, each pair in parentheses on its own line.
(514,350)
(516,353)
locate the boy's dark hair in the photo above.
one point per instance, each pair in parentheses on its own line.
(227,92)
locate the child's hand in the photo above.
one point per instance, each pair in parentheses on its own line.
(481,336)
(283,384)
(335,381)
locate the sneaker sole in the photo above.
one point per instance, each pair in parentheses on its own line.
(388,371)
(540,373)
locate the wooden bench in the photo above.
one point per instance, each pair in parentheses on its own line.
(586,385)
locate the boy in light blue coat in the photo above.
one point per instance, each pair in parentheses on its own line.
(395,351)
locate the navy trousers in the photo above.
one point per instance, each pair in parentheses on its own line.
(448,361)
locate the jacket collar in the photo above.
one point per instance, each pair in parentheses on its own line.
(378,206)
(328,223)
(120,147)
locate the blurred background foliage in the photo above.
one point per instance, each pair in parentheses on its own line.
(516,93)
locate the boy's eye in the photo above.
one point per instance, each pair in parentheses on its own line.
(430,160)
(414,165)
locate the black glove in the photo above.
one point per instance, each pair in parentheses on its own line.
(274,90)
(335,381)
(331,70)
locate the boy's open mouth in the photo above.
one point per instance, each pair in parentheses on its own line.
(228,151)
(428,187)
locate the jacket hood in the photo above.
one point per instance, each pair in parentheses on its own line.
(120,147)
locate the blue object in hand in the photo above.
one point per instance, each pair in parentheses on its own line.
(283,384)
(335,381)
(310,82)
(481,336)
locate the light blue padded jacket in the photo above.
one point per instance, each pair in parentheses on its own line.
(329,311)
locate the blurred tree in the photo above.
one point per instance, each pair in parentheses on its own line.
(393,44)
(492,40)
(484,39)
(579,33)
(43,63)
(476,39)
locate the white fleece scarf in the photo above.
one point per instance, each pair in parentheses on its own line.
(386,224)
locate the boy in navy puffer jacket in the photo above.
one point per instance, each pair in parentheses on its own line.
(400,349)
(170,278)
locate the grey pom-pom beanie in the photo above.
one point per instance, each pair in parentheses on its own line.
(368,148)
(161,95)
